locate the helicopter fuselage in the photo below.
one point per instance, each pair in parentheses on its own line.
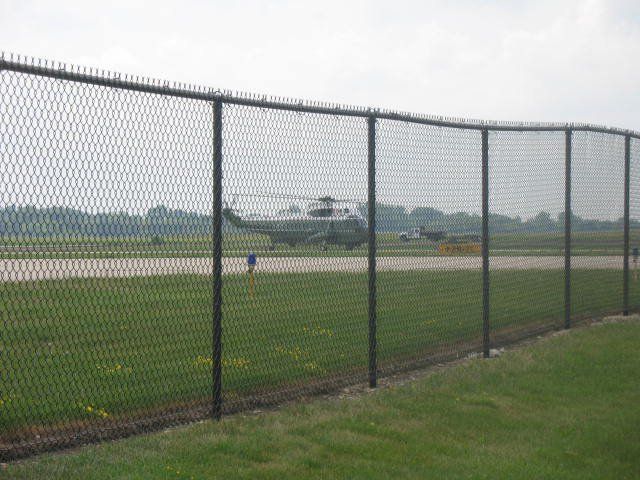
(322,226)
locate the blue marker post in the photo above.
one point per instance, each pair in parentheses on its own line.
(251,265)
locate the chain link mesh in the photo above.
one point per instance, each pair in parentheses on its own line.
(634,224)
(597,223)
(526,230)
(106,278)
(302,325)
(107,267)
(428,222)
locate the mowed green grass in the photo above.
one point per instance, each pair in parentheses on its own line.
(564,407)
(94,349)
(238,244)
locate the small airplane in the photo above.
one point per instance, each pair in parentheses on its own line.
(323,224)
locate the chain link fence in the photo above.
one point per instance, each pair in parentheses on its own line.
(170,253)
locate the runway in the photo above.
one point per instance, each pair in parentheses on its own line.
(18,270)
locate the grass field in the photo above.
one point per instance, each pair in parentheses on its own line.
(237,244)
(565,407)
(91,350)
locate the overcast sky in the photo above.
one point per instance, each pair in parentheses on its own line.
(548,60)
(519,60)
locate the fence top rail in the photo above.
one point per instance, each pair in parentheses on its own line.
(99,77)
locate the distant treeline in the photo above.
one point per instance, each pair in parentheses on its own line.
(161,221)
(395,218)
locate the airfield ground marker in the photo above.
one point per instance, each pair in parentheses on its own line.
(251,265)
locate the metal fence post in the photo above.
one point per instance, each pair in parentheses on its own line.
(627,178)
(486,340)
(217,259)
(567,228)
(371,221)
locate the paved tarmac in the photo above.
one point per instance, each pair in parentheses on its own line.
(12,270)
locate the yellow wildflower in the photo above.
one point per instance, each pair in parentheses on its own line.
(318,331)
(92,409)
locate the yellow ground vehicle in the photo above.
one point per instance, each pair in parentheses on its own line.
(456,248)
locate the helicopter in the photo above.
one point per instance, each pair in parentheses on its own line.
(323,223)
